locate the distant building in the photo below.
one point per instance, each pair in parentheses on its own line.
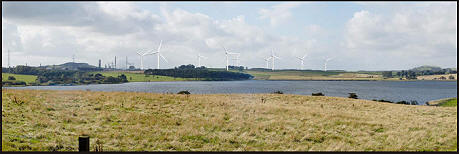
(100,61)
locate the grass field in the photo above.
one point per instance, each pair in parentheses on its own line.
(19,77)
(128,121)
(140,77)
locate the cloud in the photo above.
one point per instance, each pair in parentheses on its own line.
(51,32)
(95,31)
(405,37)
(278,14)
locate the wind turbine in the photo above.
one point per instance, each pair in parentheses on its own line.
(302,60)
(237,59)
(326,61)
(199,59)
(273,57)
(267,61)
(158,53)
(228,53)
(141,58)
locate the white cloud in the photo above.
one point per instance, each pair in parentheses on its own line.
(120,29)
(409,37)
(278,14)
(53,33)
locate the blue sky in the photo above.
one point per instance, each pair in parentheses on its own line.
(358,35)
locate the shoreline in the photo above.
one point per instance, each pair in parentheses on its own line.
(237,80)
(428,103)
(439,102)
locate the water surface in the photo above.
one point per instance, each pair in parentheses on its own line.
(421,91)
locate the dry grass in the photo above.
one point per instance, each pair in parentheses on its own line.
(312,75)
(128,121)
(436,77)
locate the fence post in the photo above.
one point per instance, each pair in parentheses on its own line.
(83,144)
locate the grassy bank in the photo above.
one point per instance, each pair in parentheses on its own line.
(447,102)
(130,121)
(19,77)
(312,75)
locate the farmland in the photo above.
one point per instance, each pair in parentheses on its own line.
(19,77)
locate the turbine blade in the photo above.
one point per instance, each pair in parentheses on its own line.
(149,53)
(163,58)
(160,43)
(305,55)
(226,51)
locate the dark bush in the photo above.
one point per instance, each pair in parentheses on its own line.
(353,95)
(278,92)
(6,83)
(382,100)
(317,94)
(184,92)
(11,78)
(402,102)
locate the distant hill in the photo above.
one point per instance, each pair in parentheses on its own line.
(71,66)
(426,68)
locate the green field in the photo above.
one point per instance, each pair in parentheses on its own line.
(19,77)
(447,102)
(140,77)
(46,120)
(450,103)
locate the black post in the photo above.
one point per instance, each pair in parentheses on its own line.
(83,144)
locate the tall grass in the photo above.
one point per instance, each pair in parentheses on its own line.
(133,121)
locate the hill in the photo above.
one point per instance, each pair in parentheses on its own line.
(426,68)
(42,120)
(71,66)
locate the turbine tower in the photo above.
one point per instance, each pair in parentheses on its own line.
(141,58)
(237,59)
(228,53)
(302,60)
(273,57)
(326,61)
(8,58)
(267,62)
(199,59)
(158,53)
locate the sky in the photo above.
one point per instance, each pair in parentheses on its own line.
(357,35)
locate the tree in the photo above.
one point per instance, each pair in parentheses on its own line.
(123,78)
(11,78)
(387,74)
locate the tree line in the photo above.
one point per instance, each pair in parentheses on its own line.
(200,73)
(54,76)
(412,74)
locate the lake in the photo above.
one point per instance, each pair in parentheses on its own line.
(421,91)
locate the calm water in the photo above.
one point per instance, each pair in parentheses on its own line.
(421,91)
